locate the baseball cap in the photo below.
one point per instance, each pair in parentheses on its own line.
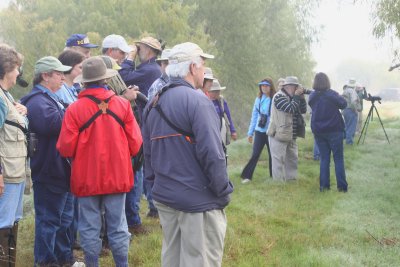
(116,41)
(79,39)
(49,63)
(165,54)
(185,52)
(208,74)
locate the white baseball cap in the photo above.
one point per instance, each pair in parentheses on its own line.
(185,52)
(116,41)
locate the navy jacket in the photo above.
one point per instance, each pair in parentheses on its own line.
(45,118)
(189,176)
(143,76)
(326,117)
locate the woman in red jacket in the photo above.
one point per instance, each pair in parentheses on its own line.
(100,134)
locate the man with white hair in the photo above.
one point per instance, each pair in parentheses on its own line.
(191,188)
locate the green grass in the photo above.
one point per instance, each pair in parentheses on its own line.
(293,224)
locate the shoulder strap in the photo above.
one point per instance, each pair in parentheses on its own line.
(19,126)
(173,126)
(103,109)
(154,104)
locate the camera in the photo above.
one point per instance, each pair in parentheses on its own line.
(307,91)
(263,120)
(374,98)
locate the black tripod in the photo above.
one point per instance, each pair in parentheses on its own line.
(370,118)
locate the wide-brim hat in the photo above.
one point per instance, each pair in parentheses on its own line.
(291,80)
(152,42)
(94,69)
(351,83)
(216,86)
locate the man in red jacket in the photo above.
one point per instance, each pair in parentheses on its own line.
(100,134)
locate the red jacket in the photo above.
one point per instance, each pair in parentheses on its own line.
(101,154)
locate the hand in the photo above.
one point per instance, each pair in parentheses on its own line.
(234,136)
(250,139)
(1,185)
(131,93)
(133,53)
(299,91)
(21,109)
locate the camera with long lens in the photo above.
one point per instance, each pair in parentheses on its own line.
(374,98)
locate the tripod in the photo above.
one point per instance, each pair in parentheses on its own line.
(370,118)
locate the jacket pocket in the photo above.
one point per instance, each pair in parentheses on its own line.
(13,167)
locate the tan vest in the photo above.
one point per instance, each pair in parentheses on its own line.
(12,145)
(281,123)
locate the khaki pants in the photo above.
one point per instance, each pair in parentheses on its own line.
(284,159)
(191,239)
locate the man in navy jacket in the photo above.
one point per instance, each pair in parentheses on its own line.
(185,159)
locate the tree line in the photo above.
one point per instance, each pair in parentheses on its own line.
(250,39)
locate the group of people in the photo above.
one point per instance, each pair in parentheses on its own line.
(277,122)
(96,150)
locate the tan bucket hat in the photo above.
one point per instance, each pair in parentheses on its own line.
(94,69)
(152,42)
(216,86)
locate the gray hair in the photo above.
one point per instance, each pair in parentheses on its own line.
(181,69)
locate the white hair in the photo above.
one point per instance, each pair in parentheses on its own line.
(181,69)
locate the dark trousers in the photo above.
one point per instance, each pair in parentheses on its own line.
(260,140)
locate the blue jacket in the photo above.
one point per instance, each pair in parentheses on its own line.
(189,176)
(45,116)
(261,105)
(326,117)
(143,76)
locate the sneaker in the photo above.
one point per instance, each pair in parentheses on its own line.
(246,181)
(152,214)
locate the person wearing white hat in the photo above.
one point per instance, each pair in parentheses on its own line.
(116,47)
(208,81)
(100,134)
(228,131)
(192,187)
(350,113)
(286,124)
(164,79)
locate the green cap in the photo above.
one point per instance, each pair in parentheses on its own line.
(47,64)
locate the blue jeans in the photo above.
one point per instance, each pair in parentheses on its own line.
(350,120)
(90,225)
(316,150)
(11,204)
(327,143)
(54,213)
(147,185)
(132,202)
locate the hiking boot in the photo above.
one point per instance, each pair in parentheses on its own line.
(152,214)
(138,230)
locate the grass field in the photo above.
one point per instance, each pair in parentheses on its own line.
(293,224)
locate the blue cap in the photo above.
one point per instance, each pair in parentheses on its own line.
(79,40)
(264,83)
